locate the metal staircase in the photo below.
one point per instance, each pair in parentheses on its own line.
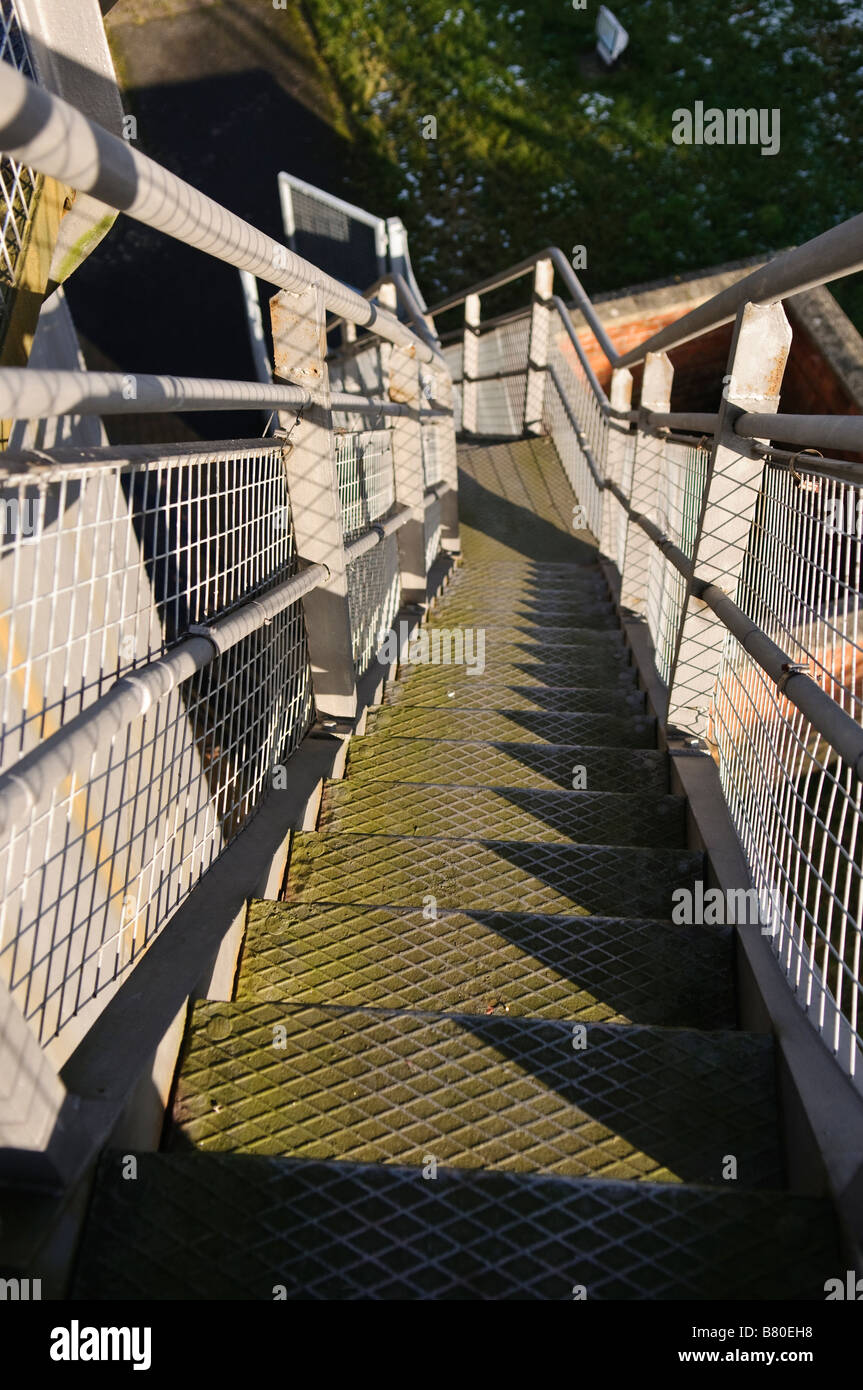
(432,1031)
(469,1055)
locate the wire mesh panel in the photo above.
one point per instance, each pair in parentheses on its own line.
(500,403)
(679,493)
(432,531)
(626,472)
(574,419)
(106,563)
(453,356)
(364,467)
(432,456)
(18,183)
(373,598)
(796,808)
(338,237)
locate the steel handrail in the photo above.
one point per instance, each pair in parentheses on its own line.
(829,256)
(52,137)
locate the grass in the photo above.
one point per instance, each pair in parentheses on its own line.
(537,143)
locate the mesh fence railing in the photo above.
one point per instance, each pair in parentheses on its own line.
(573,417)
(795,806)
(19,188)
(364,466)
(500,403)
(680,486)
(113,562)
(453,355)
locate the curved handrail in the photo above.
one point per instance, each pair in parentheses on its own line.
(51,136)
(828,256)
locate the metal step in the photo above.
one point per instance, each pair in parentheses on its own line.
(491,695)
(519,1094)
(444,812)
(538,617)
(543,766)
(490,686)
(232,1227)
(451,724)
(526,637)
(510,647)
(586,969)
(484,875)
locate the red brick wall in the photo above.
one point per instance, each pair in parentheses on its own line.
(810,386)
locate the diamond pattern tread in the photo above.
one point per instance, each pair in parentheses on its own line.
(535,614)
(577,666)
(231,1227)
(488,695)
(502,726)
(520,1094)
(586,969)
(542,766)
(444,812)
(511,643)
(483,875)
(527,636)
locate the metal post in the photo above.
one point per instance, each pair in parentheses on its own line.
(299,344)
(759,352)
(470,363)
(613,516)
(646,473)
(537,353)
(403,387)
(448,460)
(31,1147)
(350,373)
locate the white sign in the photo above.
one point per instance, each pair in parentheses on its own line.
(611,37)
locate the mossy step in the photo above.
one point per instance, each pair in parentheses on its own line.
(543,766)
(586,969)
(501,584)
(516,699)
(586,668)
(485,875)
(479,813)
(231,1227)
(521,567)
(510,665)
(526,637)
(541,1095)
(522,726)
(509,644)
(497,587)
(479,611)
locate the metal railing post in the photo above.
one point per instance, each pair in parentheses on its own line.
(647,467)
(33,1148)
(402,385)
(759,352)
(351,378)
(538,342)
(470,363)
(613,516)
(300,349)
(448,462)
